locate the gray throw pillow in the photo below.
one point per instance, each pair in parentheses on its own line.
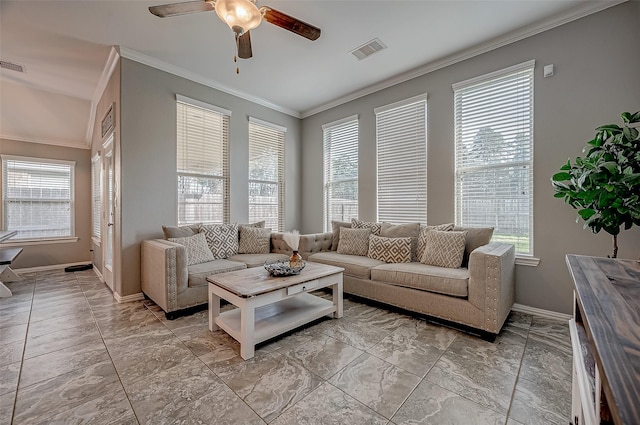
(354,241)
(476,237)
(254,240)
(444,249)
(197,250)
(390,250)
(180,231)
(221,238)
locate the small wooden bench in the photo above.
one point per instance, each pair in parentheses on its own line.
(7,255)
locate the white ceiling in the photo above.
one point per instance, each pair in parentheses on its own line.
(65,45)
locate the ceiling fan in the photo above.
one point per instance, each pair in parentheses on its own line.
(241,16)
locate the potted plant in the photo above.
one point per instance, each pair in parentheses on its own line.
(604,185)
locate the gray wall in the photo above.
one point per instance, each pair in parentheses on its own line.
(597,67)
(67,252)
(148,157)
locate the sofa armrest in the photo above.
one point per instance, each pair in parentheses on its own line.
(315,242)
(164,272)
(492,282)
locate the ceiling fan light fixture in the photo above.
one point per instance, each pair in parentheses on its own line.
(240,15)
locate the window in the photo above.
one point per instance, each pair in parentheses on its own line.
(266,173)
(202,162)
(340,139)
(494,154)
(96,208)
(401,135)
(37,197)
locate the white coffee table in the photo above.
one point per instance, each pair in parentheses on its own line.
(270,306)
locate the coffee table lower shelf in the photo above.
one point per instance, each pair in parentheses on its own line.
(277,318)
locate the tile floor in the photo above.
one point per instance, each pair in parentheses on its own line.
(70,354)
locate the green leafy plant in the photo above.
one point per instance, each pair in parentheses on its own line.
(604,185)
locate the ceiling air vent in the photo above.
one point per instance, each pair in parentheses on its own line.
(368,49)
(12,66)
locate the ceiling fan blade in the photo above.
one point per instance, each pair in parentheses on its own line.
(244,45)
(290,23)
(175,9)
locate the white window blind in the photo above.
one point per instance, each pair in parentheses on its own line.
(37,197)
(266,174)
(340,140)
(202,163)
(96,206)
(401,135)
(494,154)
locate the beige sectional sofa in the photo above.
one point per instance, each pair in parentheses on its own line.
(477,297)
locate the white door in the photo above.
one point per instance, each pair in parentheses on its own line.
(108,216)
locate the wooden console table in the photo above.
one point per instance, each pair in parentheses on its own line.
(605,334)
(7,255)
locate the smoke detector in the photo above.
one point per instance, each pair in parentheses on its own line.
(368,49)
(12,66)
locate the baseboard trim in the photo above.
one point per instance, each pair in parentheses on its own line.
(97,272)
(128,298)
(47,268)
(548,314)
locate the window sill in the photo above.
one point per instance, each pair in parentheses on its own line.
(526,260)
(96,241)
(31,242)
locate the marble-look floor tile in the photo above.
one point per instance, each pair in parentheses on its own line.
(431,404)
(358,334)
(11,334)
(157,397)
(196,322)
(383,319)
(54,341)
(126,322)
(473,380)
(68,321)
(66,301)
(269,383)
(412,353)
(13,308)
(137,364)
(511,421)
(553,330)
(54,311)
(14,319)
(379,385)
(205,341)
(438,336)
(9,375)
(323,355)
(219,406)
(329,406)
(222,351)
(59,362)
(96,381)
(120,341)
(6,407)
(11,352)
(542,402)
(546,358)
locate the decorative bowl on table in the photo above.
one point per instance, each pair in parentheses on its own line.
(281,268)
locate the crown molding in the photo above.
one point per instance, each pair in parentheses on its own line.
(520,34)
(64,143)
(125,52)
(107,71)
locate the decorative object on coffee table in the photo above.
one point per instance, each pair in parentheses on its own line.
(293,240)
(281,268)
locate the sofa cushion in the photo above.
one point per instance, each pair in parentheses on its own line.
(354,241)
(335,228)
(196,247)
(444,249)
(454,282)
(354,265)
(221,238)
(180,231)
(198,273)
(407,230)
(476,237)
(374,227)
(258,260)
(423,234)
(254,240)
(390,250)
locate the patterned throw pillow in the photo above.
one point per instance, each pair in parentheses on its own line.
(354,241)
(221,238)
(197,250)
(444,249)
(422,238)
(406,230)
(254,240)
(374,227)
(390,250)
